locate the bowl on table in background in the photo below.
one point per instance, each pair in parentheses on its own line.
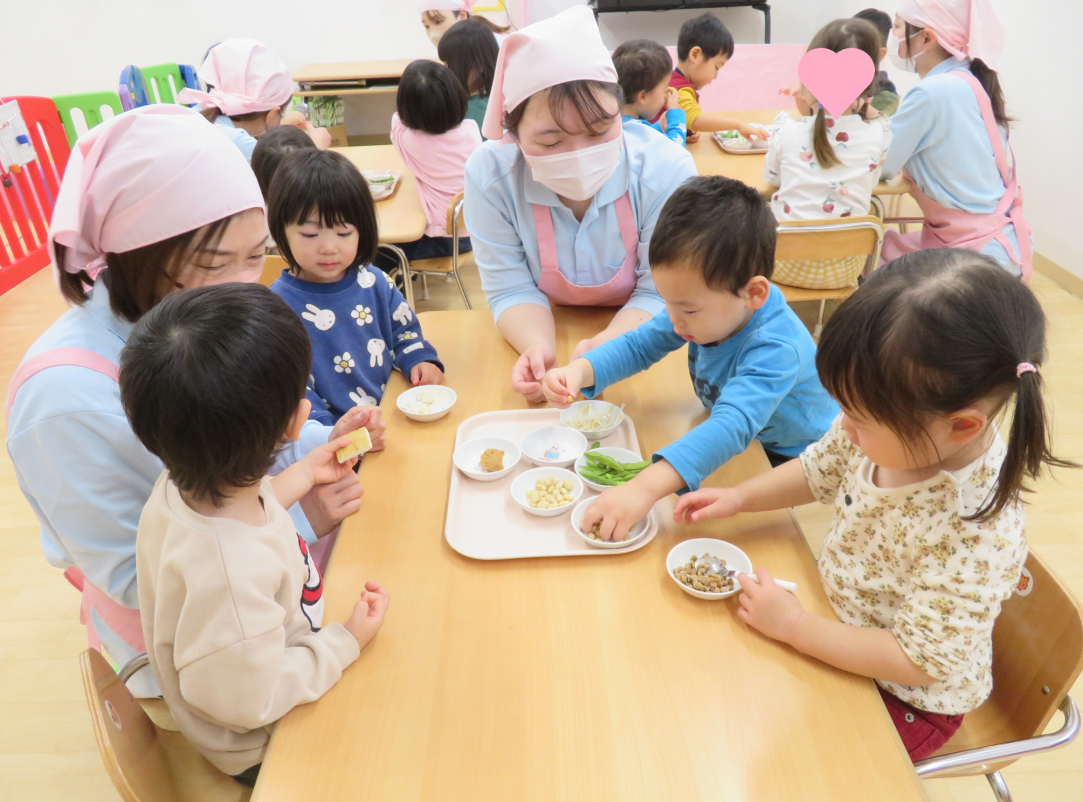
(427,403)
(622,455)
(635,534)
(527,481)
(554,446)
(467,457)
(381,182)
(595,420)
(697,547)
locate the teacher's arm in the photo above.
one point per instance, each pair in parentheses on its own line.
(912,130)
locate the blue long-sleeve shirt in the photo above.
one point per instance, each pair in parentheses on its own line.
(761,383)
(361,328)
(676,125)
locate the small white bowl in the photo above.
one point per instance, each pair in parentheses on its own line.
(445,400)
(619,454)
(564,444)
(635,534)
(601,407)
(467,455)
(734,557)
(384,188)
(528,479)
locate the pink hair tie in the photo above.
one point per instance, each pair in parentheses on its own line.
(1024,367)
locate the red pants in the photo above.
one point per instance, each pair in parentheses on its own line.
(922,732)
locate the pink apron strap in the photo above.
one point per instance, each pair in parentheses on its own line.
(629,228)
(547,241)
(57,357)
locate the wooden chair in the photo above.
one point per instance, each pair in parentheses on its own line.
(1037,656)
(272,269)
(828,239)
(447,266)
(146,763)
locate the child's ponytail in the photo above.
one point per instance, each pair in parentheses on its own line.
(821,145)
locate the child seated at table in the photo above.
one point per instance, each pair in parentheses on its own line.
(885,98)
(431,133)
(928,536)
(643,72)
(469,49)
(823,166)
(361,328)
(751,359)
(213,382)
(704,45)
(272,148)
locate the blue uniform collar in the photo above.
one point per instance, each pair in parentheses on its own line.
(949,64)
(98,308)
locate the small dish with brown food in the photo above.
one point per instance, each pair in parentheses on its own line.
(479,459)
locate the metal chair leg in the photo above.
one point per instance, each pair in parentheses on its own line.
(820,321)
(404,268)
(1000,788)
(424,287)
(455,262)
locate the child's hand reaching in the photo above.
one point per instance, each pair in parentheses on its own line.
(617,510)
(323,467)
(320,137)
(372,418)
(671,99)
(426,373)
(767,607)
(562,385)
(710,502)
(368,613)
(752,132)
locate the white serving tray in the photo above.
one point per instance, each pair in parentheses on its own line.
(484,522)
(394,185)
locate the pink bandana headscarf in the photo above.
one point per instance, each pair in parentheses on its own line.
(965,28)
(247,77)
(446,5)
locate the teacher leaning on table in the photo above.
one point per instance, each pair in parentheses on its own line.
(152,201)
(561,207)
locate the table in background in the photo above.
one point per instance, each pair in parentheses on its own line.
(384,76)
(401,217)
(574,679)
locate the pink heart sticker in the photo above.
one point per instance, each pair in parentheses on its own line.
(836,79)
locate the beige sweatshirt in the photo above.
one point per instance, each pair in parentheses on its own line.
(231,616)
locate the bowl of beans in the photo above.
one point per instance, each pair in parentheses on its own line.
(680,564)
(594,537)
(546,491)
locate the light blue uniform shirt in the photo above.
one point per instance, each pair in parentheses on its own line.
(939,136)
(241,138)
(80,465)
(500,190)
(761,383)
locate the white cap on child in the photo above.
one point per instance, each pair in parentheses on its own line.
(247,77)
(965,28)
(142,177)
(567,47)
(445,5)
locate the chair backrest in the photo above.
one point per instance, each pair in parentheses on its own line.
(453,204)
(162,82)
(80,113)
(830,239)
(132,88)
(751,79)
(272,269)
(1037,657)
(26,207)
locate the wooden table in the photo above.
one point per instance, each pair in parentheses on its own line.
(401,217)
(591,679)
(370,77)
(712,160)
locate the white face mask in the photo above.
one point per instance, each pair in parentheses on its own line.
(434,36)
(578,174)
(894,45)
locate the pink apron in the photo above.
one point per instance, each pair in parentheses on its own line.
(556,286)
(955,228)
(124,621)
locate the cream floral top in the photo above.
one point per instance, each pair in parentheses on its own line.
(905,559)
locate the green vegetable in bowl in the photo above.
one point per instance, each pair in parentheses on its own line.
(388,180)
(729,135)
(603,470)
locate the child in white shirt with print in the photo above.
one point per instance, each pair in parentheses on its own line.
(928,539)
(821,166)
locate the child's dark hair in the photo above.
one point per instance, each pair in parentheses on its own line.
(323,182)
(880,20)
(708,34)
(839,35)
(582,97)
(469,49)
(430,97)
(641,65)
(986,76)
(274,146)
(935,332)
(209,380)
(212,113)
(721,226)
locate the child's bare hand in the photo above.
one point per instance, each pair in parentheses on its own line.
(372,418)
(692,137)
(561,386)
(528,371)
(767,607)
(368,613)
(296,119)
(671,99)
(710,502)
(321,137)
(426,373)
(617,510)
(752,132)
(323,466)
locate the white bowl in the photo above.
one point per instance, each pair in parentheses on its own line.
(734,557)
(619,454)
(467,455)
(566,445)
(445,400)
(598,406)
(635,534)
(528,479)
(380,190)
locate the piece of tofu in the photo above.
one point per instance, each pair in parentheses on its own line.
(360,443)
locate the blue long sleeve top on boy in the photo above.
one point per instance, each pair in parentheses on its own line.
(676,125)
(360,328)
(761,383)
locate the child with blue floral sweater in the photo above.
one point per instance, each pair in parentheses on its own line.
(322,216)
